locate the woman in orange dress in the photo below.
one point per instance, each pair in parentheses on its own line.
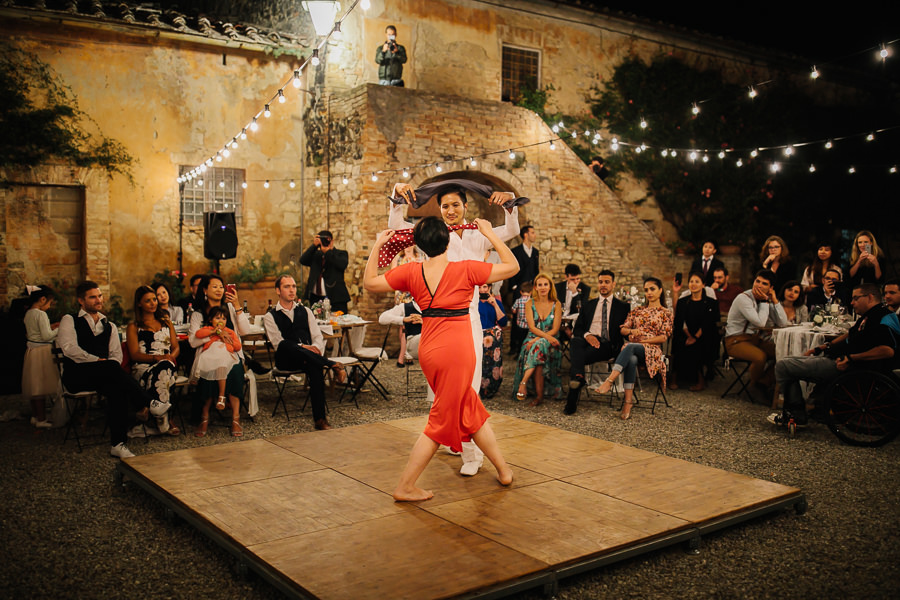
(444,291)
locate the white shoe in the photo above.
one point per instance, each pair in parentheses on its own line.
(472,457)
(163,423)
(45,424)
(120,450)
(158,408)
(451,451)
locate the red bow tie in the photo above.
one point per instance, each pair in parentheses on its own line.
(403,238)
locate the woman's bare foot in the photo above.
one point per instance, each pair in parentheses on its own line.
(505,477)
(412,495)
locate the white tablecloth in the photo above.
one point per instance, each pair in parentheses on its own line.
(794,341)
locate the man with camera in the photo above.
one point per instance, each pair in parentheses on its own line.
(390,57)
(870,343)
(326,272)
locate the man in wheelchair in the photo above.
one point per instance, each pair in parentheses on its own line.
(870,343)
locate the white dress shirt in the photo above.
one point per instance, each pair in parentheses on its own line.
(595,329)
(67,339)
(274,334)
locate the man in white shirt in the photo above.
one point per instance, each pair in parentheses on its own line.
(299,345)
(465,244)
(528,258)
(409,316)
(92,354)
(752,311)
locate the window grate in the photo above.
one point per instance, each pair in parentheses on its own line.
(521,70)
(221,190)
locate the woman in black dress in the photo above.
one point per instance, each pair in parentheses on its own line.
(695,338)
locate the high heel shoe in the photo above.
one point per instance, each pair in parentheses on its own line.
(220,405)
(626,411)
(201,428)
(605,386)
(236,429)
(521,395)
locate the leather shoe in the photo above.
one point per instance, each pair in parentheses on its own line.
(571,402)
(322,424)
(256,367)
(576,383)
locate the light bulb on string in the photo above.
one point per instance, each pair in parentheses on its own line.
(222,183)
(218,157)
(638,150)
(815,73)
(665,153)
(555,128)
(595,141)
(266,113)
(775,167)
(374,177)
(693,156)
(892,170)
(587,132)
(314,59)
(292,184)
(828,145)
(789,151)
(672,153)
(812,168)
(344,180)
(244,133)
(438,168)
(574,134)
(254,126)
(552,146)
(512,155)
(643,123)
(643,146)
(883,53)
(560,125)
(336,32)
(200,182)
(208,162)
(226,152)
(739,162)
(705,158)
(266,184)
(234,143)
(203,168)
(851,170)
(754,153)
(281,98)
(296,79)
(752,93)
(695,110)
(721,154)
(244,185)
(472,162)
(406,173)
(870,137)
(365,4)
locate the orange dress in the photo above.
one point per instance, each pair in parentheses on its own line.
(446,352)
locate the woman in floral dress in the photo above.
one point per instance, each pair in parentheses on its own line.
(541,353)
(646,329)
(153,350)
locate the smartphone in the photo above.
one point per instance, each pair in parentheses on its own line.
(868,248)
(231,288)
(678,278)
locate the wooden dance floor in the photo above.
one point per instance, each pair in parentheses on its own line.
(313,515)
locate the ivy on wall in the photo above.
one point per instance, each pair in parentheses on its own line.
(41,121)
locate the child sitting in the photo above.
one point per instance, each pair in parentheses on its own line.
(519,321)
(219,354)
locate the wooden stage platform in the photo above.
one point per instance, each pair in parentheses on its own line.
(312,513)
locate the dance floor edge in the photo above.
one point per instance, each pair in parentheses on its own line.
(312,512)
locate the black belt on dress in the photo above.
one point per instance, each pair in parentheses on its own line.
(445,312)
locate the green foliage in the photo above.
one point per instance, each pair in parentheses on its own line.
(174,280)
(41,121)
(254,270)
(534,99)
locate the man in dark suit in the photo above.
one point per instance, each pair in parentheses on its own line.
(596,335)
(326,272)
(527,256)
(832,291)
(573,294)
(707,263)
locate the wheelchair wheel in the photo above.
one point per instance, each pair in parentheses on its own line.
(864,408)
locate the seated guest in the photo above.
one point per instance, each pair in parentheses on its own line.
(572,293)
(519,328)
(93,362)
(493,319)
(695,338)
(596,335)
(726,291)
(163,297)
(299,345)
(831,291)
(812,275)
(775,257)
(871,344)
(541,354)
(153,350)
(707,264)
(408,317)
(752,312)
(409,254)
(40,377)
(792,300)
(892,295)
(211,292)
(217,362)
(866,260)
(647,328)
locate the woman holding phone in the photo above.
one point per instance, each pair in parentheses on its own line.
(866,260)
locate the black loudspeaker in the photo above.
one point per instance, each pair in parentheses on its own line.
(219,235)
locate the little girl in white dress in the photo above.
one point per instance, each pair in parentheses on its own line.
(219,354)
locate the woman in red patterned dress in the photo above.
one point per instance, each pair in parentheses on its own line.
(444,290)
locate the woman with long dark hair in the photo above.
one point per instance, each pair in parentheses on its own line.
(695,338)
(153,348)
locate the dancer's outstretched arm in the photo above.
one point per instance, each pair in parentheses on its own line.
(372,281)
(508,266)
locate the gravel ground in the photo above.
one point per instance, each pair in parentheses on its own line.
(70,533)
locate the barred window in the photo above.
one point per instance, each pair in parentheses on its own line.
(217,190)
(521,70)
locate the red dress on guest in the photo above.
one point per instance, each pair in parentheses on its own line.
(446,352)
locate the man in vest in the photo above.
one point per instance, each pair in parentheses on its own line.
(299,345)
(408,316)
(92,361)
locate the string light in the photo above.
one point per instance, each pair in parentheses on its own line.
(218,157)
(512,155)
(815,73)
(336,32)
(200,182)
(828,145)
(314,59)
(365,4)
(254,126)
(705,158)
(812,168)
(296,80)
(693,156)
(406,173)
(203,168)
(753,93)
(883,53)
(318,183)
(789,151)
(266,184)
(438,168)
(292,184)
(374,177)
(281,98)
(266,113)
(226,152)
(222,183)
(552,146)
(870,137)
(665,153)
(721,154)
(851,170)
(472,162)
(344,180)
(244,133)
(244,184)
(775,167)
(643,123)
(555,128)
(234,143)
(208,162)
(892,170)
(695,109)
(754,153)
(739,163)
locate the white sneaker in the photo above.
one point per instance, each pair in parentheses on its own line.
(120,450)
(472,457)
(158,408)
(45,424)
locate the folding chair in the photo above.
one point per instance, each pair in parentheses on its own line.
(411,369)
(367,356)
(80,402)
(639,390)
(733,364)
